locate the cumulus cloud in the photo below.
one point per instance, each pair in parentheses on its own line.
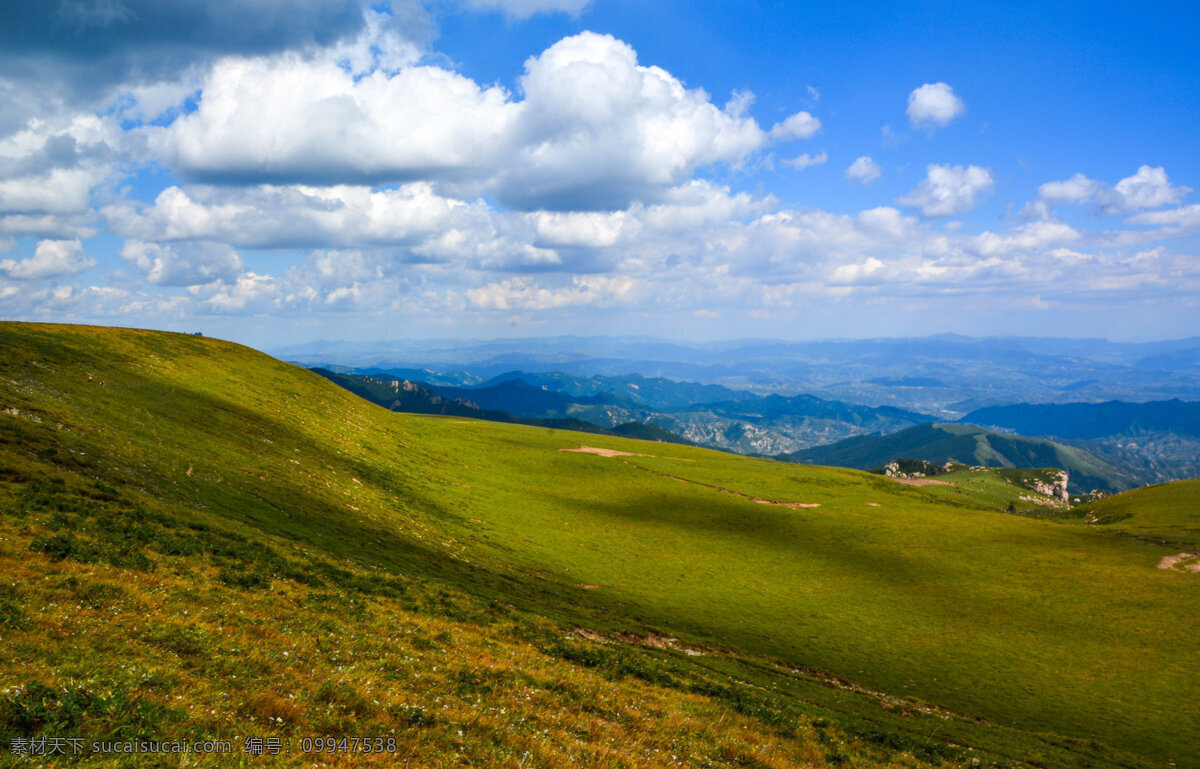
(292,119)
(808,247)
(705,249)
(864,170)
(1029,238)
(298,217)
(1149,188)
(183,264)
(522,9)
(802,125)
(806,160)
(1077,189)
(949,190)
(933,105)
(249,293)
(48,171)
(595,130)
(589,229)
(51,259)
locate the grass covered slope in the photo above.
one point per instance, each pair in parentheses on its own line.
(904,613)
(970,445)
(1169,512)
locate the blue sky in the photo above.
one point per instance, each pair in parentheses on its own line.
(275,171)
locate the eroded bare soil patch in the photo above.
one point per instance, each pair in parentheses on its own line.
(920,481)
(1181,562)
(604,452)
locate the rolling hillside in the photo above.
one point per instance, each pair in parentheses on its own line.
(1167,512)
(970,445)
(1155,441)
(180,514)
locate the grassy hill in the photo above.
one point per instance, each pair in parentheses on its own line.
(1156,441)
(200,541)
(1167,512)
(970,445)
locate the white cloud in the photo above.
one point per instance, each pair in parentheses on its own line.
(1149,188)
(814,94)
(283,217)
(595,129)
(854,273)
(934,105)
(1071,257)
(422,229)
(522,9)
(949,190)
(1187,217)
(1077,189)
(523,294)
(386,41)
(49,169)
(592,229)
(806,160)
(802,125)
(51,259)
(1029,238)
(740,102)
(886,223)
(293,119)
(248,294)
(183,264)
(705,249)
(864,170)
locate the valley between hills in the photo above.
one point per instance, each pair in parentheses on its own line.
(201,542)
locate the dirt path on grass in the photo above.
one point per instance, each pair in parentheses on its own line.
(652,640)
(750,497)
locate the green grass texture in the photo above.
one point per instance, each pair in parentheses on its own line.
(1056,643)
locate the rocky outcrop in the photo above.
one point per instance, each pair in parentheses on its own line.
(1054,486)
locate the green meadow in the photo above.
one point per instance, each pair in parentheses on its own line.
(849,618)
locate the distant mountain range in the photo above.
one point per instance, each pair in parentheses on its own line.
(945,375)
(741,421)
(415,398)
(1093,420)
(656,393)
(970,445)
(1125,443)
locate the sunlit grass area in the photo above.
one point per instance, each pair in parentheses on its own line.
(202,541)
